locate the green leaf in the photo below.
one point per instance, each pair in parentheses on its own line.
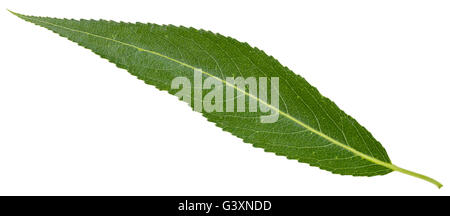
(309,127)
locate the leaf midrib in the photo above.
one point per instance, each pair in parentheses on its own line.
(319,133)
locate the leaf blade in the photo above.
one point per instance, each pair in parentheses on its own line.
(333,140)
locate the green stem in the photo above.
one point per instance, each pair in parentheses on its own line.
(417,175)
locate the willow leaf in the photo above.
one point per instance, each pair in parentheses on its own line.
(309,127)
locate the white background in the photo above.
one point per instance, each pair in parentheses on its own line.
(73,124)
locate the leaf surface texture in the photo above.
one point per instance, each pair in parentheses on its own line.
(310,127)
